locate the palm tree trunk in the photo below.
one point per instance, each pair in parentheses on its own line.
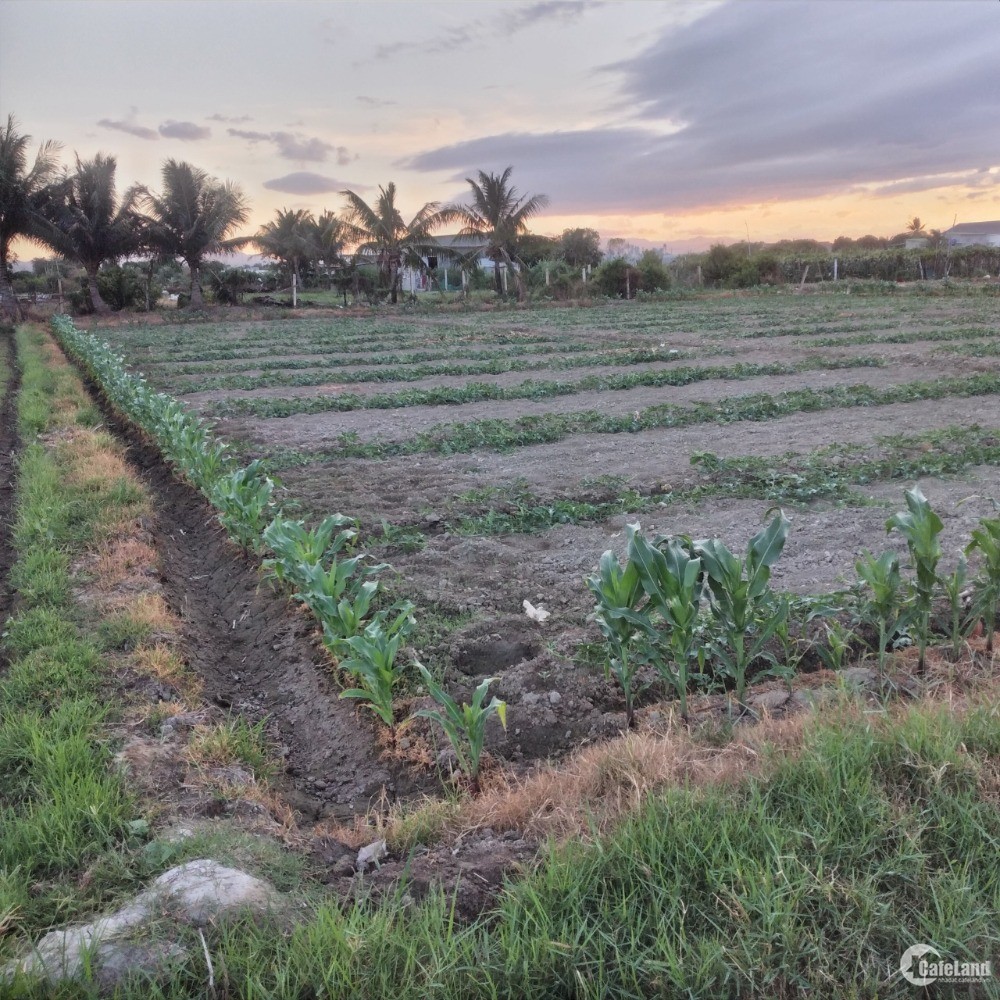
(100,306)
(497,277)
(197,300)
(10,308)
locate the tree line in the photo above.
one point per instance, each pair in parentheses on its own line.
(79,215)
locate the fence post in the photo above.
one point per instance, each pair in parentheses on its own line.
(295,292)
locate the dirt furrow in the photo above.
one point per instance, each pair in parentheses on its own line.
(256,655)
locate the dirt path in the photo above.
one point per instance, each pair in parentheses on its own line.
(9,446)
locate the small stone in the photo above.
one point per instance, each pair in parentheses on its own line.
(554,697)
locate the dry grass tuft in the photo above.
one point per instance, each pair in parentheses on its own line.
(167,666)
(122,561)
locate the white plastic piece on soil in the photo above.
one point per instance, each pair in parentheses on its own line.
(538,614)
(371,855)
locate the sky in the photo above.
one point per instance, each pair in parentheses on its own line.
(678,123)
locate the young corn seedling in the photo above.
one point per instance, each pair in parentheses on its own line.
(464,725)
(618,592)
(243,498)
(335,597)
(986,542)
(960,618)
(882,601)
(741,601)
(833,653)
(672,581)
(921,527)
(371,660)
(295,546)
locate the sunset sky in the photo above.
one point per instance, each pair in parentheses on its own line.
(677,123)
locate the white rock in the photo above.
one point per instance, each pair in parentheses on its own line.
(371,854)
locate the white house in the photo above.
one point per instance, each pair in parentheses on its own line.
(445,257)
(968,234)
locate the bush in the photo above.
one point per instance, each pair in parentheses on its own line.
(121,287)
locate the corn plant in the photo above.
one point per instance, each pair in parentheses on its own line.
(244,500)
(986,542)
(335,596)
(921,527)
(960,619)
(882,601)
(295,546)
(741,601)
(618,592)
(371,660)
(834,651)
(672,580)
(464,725)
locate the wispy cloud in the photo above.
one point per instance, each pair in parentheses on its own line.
(139,131)
(374,102)
(187,131)
(304,182)
(484,30)
(232,121)
(290,145)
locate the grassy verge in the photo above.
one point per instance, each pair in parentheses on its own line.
(460,438)
(74,833)
(810,877)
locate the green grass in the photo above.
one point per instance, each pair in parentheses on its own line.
(808,881)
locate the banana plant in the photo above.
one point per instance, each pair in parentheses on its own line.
(921,527)
(742,603)
(882,600)
(618,592)
(464,725)
(371,660)
(986,542)
(672,580)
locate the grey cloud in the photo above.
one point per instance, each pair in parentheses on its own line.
(374,102)
(139,131)
(480,31)
(289,145)
(773,101)
(304,182)
(232,121)
(187,131)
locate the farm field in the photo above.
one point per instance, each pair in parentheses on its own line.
(492,457)
(152,673)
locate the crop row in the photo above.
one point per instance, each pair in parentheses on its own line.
(477,392)
(495,366)
(702,616)
(948,333)
(320,566)
(792,479)
(460,438)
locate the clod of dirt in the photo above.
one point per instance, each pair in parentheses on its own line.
(485,648)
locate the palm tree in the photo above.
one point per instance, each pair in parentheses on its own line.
(290,238)
(87,223)
(915,226)
(195,216)
(380,232)
(330,236)
(498,214)
(24,192)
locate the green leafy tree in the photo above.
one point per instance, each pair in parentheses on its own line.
(378,232)
(195,216)
(25,191)
(581,247)
(499,216)
(88,223)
